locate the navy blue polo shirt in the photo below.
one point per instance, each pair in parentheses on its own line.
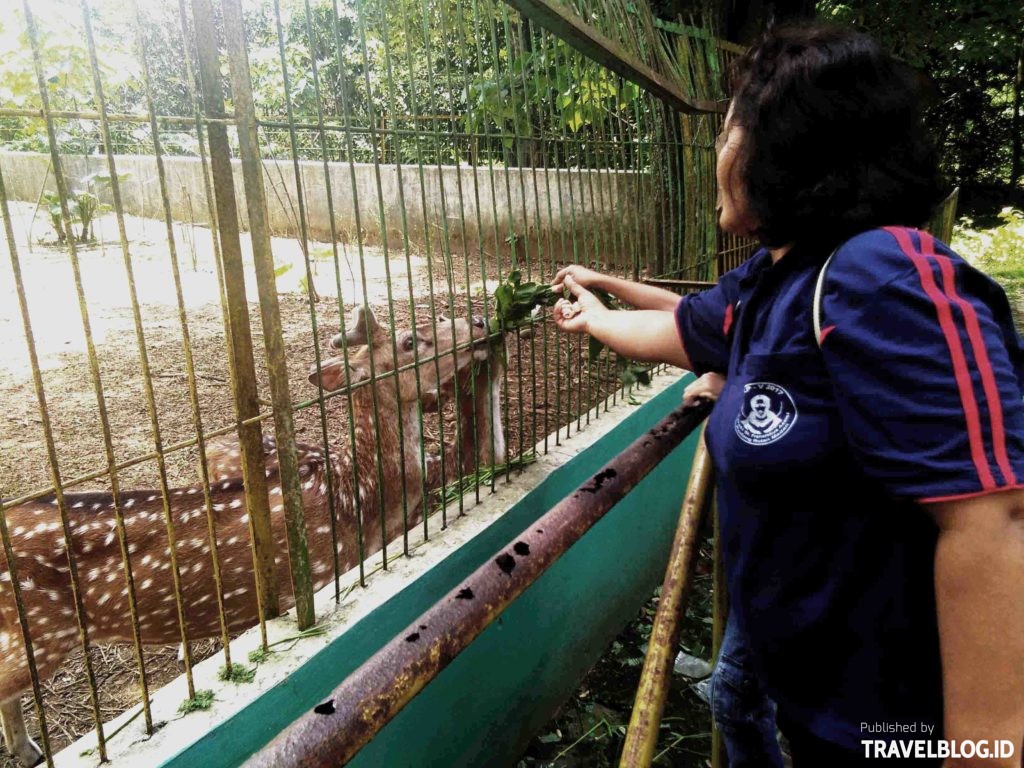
(824,456)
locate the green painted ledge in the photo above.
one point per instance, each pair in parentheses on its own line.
(485,706)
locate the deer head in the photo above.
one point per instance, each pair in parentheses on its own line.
(368,348)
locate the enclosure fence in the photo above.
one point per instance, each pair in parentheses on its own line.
(183,184)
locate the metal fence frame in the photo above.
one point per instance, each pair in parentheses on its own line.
(674,132)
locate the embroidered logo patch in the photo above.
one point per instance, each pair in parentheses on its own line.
(768,413)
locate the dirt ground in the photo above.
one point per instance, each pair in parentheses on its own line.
(543,391)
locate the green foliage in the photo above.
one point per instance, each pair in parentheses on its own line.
(83,206)
(202,700)
(259,655)
(969,50)
(999,250)
(484,476)
(514,302)
(237,673)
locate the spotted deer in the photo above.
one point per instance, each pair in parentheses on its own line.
(463,361)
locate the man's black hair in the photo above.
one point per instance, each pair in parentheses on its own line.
(836,141)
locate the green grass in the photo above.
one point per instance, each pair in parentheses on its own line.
(202,700)
(237,674)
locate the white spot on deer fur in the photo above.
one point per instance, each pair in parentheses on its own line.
(193,491)
(27,582)
(323,529)
(104,598)
(277,508)
(235,503)
(77,505)
(111,577)
(129,504)
(244,518)
(219,507)
(147,584)
(225,486)
(151,498)
(96,506)
(276,490)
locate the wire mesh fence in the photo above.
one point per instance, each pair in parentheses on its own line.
(253,252)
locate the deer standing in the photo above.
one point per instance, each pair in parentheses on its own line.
(40,548)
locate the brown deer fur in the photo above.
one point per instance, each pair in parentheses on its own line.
(38,541)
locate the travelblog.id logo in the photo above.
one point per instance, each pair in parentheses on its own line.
(938,748)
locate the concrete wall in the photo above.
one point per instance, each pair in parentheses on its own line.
(604,205)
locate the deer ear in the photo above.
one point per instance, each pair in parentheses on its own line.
(333,374)
(361,327)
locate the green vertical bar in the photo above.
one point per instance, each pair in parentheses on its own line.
(140,340)
(243,365)
(62,192)
(270,312)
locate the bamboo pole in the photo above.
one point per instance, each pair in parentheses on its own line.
(642,735)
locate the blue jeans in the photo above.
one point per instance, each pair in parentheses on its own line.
(742,711)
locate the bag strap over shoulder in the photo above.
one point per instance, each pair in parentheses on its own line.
(816,307)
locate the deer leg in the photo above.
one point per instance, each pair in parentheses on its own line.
(483,436)
(16,734)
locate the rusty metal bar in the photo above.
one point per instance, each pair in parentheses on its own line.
(51,450)
(679,285)
(114,117)
(273,336)
(243,365)
(140,338)
(333,732)
(190,376)
(565,24)
(642,734)
(719,615)
(94,370)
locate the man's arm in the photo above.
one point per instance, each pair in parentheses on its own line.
(648,335)
(635,294)
(979,589)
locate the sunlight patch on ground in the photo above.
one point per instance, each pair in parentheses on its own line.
(53,298)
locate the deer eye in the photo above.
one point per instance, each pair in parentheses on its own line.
(408,342)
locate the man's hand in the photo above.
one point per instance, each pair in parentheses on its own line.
(575,317)
(707,387)
(587,278)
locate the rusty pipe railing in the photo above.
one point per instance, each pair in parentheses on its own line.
(338,727)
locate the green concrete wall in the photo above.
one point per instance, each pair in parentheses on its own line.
(485,706)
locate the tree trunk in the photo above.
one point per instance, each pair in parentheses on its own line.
(1016,169)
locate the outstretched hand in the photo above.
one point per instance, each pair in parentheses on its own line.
(587,278)
(575,317)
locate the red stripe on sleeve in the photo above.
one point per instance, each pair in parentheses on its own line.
(988,379)
(825,332)
(727,324)
(956,353)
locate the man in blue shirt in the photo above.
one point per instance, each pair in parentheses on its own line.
(872,517)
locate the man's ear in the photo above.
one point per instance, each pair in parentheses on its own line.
(333,374)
